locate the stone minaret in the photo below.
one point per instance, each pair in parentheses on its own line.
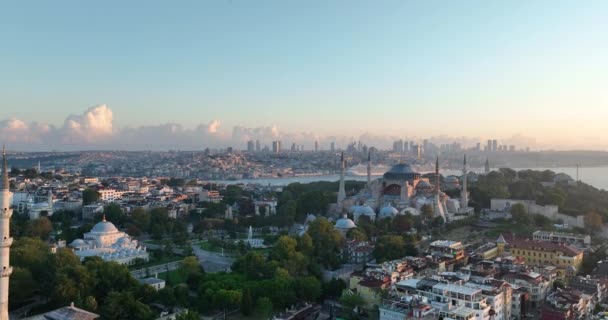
(464,197)
(487,166)
(369,170)
(6,240)
(341,191)
(438,180)
(437,203)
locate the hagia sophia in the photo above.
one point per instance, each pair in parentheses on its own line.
(402,190)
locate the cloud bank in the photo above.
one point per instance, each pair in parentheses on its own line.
(94,129)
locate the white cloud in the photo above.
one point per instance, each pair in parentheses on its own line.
(93,125)
(213,126)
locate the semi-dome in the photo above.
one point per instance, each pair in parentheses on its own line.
(104,227)
(353,208)
(411,211)
(452,179)
(402,171)
(365,210)
(78,243)
(345,224)
(424,185)
(388,211)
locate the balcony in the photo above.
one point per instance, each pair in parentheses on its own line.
(6,272)
(6,242)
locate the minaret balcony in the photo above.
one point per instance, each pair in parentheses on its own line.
(6,242)
(6,213)
(6,272)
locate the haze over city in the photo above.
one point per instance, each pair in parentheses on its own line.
(109,75)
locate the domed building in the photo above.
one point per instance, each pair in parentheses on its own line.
(388,212)
(107,242)
(364,210)
(344,225)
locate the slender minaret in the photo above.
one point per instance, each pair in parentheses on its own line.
(369,170)
(487,166)
(438,181)
(341,191)
(6,240)
(438,205)
(464,197)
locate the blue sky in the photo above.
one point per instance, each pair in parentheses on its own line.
(478,68)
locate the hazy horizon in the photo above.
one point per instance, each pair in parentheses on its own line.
(155,76)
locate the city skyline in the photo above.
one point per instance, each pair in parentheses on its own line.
(207,74)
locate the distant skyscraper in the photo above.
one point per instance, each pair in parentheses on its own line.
(250,146)
(489,146)
(487,166)
(398,146)
(293,147)
(478,148)
(494,145)
(5,242)
(257,145)
(333,147)
(425,146)
(276,146)
(316,146)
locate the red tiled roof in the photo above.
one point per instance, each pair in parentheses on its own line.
(544,246)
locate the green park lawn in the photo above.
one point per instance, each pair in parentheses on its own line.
(172,277)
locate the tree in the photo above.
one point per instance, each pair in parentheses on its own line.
(352,303)
(141,219)
(357,234)
(326,242)
(333,288)
(519,213)
(427,212)
(389,248)
(123,305)
(40,228)
(247,302)
(402,223)
(191,270)
(411,250)
(188,315)
(593,221)
(21,286)
(263,308)
(90,196)
(287,213)
(308,288)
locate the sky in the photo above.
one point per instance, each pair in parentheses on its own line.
(152,74)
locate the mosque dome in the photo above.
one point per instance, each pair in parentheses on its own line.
(410,210)
(104,227)
(123,241)
(402,171)
(345,224)
(365,210)
(388,211)
(78,243)
(424,185)
(452,179)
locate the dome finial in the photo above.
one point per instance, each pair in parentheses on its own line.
(103,218)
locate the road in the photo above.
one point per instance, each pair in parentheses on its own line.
(141,273)
(211,261)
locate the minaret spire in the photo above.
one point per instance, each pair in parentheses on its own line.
(5,185)
(464,197)
(5,240)
(341,190)
(369,170)
(487,166)
(437,176)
